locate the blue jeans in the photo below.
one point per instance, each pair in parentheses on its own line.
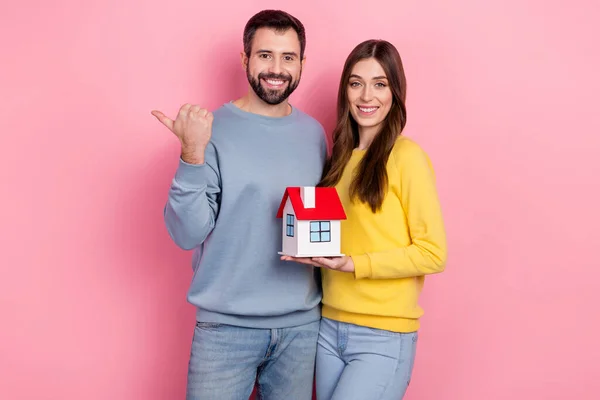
(227,361)
(357,362)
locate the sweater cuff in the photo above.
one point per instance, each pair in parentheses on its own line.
(191,175)
(362,266)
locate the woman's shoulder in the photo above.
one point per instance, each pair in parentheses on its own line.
(407,150)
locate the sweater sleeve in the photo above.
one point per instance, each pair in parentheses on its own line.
(427,252)
(193,201)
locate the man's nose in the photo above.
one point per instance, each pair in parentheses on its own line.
(275,67)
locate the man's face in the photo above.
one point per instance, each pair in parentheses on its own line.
(274,66)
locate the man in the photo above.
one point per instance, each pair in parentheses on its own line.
(258,317)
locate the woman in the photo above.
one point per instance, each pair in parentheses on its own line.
(393,237)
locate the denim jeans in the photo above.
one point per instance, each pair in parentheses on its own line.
(226,361)
(357,362)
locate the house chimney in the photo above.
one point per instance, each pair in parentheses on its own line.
(307,193)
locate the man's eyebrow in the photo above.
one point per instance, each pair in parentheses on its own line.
(287,53)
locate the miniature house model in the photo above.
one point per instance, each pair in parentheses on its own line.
(311,221)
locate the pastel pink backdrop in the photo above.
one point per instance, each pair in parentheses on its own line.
(502,94)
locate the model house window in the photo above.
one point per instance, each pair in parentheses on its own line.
(289,225)
(320,231)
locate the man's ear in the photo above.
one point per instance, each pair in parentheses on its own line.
(303,61)
(244,60)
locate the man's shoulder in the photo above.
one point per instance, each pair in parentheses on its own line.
(222,112)
(309,124)
(308,119)
(225,119)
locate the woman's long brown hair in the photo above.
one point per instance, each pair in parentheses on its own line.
(369,184)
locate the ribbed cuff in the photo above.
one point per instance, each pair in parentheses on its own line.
(362,266)
(191,175)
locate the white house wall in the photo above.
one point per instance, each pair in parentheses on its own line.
(289,243)
(305,247)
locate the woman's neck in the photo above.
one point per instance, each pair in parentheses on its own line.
(366,135)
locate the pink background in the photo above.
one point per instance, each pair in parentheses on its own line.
(502,94)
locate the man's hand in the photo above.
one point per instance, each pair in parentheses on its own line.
(342,264)
(193,128)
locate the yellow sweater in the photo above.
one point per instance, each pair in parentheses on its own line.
(392,249)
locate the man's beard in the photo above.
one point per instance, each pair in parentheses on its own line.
(271,96)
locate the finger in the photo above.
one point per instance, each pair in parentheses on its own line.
(202,112)
(195,109)
(328,259)
(301,260)
(166,121)
(325,262)
(290,258)
(322,265)
(185,109)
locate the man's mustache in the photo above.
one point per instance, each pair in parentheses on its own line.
(279,77)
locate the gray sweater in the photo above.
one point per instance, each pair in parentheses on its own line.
(225,210)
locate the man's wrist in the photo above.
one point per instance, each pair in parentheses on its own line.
(192,155)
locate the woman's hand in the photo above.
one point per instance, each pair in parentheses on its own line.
(301,260)
(342,264)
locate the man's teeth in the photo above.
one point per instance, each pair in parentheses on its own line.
(272,82)
(367,110)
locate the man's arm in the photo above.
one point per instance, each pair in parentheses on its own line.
(193,202)
(192,206)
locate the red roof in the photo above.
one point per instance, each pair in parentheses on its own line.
(327,202)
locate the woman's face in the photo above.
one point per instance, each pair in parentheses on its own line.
(369,94)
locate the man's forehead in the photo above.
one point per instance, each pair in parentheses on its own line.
(266,39)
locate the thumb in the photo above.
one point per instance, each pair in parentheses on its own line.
(166,121)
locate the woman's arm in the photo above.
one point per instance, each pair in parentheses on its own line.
(427,252)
